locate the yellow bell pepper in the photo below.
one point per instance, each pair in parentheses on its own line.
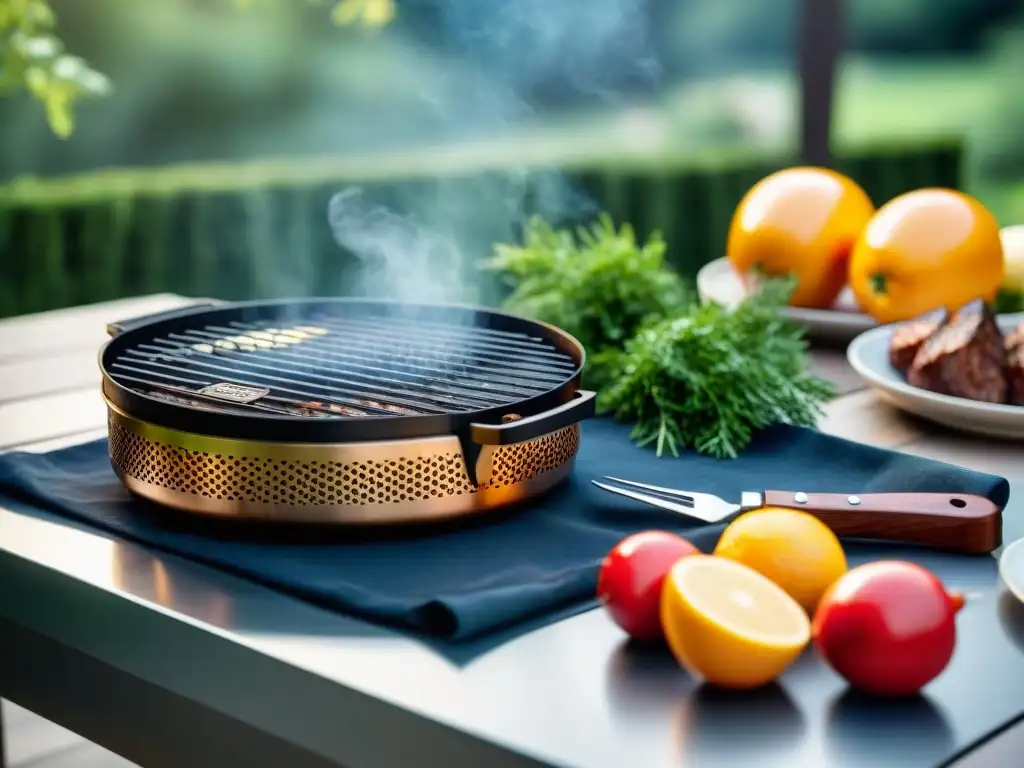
(800,222)
(923,250)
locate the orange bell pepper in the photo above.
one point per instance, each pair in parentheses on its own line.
(923,250)
(801,222)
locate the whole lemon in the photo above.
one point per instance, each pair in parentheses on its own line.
(923,250)
(802,222)
(792,548)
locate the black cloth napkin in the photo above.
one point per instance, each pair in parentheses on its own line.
(463,582)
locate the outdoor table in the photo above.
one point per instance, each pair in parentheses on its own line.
(170,663)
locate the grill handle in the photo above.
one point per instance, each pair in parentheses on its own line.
(123,326)
(581,407)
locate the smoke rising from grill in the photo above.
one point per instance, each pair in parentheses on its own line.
(400,258)
(423,242)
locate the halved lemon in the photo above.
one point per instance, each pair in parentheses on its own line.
(728,624)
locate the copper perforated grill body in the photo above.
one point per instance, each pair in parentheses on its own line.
(341,410)
(378,482)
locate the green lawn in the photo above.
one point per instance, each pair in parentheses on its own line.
(878,100)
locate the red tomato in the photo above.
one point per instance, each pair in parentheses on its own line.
(630,579)
(888,628)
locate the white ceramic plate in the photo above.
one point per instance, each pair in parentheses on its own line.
(717,282)
(869,356)
(1011,568)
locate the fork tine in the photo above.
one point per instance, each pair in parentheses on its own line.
(654,501)
(655,488)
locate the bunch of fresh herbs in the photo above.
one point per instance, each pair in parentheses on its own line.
(598,283)
(688,375)
(707,378)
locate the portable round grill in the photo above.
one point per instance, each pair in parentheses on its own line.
(343,410)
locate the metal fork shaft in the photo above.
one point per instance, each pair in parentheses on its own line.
(671,506)
(685,497)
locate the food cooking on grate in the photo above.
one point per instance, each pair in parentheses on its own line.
(342,411)
(908,338)
(197,399)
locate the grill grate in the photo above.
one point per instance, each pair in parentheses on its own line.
(330,366)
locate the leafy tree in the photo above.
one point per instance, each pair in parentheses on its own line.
(33,58)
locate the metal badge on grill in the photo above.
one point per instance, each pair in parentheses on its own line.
(234,393)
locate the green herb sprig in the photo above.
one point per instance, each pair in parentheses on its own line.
(598,283)
(709,377)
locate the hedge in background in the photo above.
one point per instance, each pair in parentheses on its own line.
(260,230)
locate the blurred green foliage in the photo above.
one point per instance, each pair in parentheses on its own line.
(999,141)
(370,13)
(32,56)
(257,229)
(706,34)
(200,81)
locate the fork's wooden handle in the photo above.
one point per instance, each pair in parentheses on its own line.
(954,522)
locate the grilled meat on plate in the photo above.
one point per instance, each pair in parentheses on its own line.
(1014,346)
(908,338)
(964,358)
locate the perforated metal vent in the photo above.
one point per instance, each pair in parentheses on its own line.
(311,483)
